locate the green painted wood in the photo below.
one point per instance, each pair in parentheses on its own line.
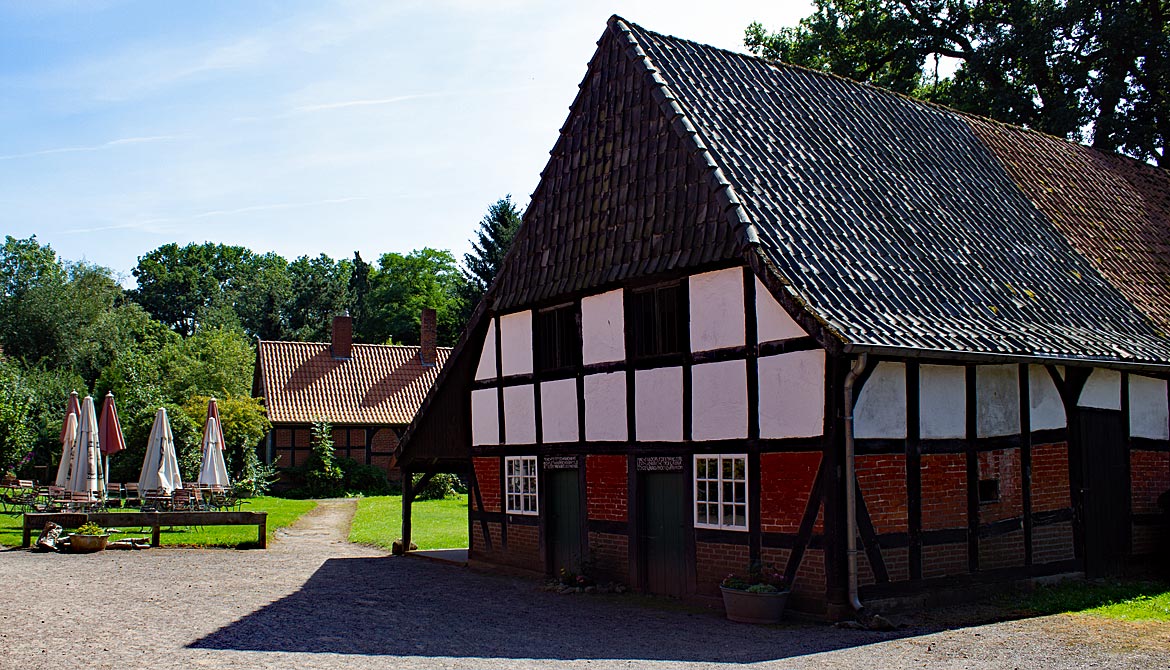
(664,497)
(563,497)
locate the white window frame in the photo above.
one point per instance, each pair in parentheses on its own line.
(524,498)
(719,483)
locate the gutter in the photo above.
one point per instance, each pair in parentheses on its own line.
(850,487)
(990,359)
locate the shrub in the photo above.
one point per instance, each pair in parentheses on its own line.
(323,478)
(90,528)
(363,480)
(255,478)
(442,485)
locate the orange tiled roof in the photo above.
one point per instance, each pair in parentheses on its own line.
(379,384)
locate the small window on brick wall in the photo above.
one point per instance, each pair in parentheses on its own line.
(657,321)
(721,491)
(556,336)
(520,484)
(988,490)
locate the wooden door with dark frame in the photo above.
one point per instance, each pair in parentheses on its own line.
(664,499)
(563,500)
(1104,491)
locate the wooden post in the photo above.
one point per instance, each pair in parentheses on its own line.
(155,530)
(263,535)
(407,499)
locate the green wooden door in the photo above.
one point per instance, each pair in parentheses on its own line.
(563,496)
(663,497)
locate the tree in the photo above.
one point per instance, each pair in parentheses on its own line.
(359,298)
(404,285)
(17,433)
(244,425)
(492,240)
(1096,71)
(320,291)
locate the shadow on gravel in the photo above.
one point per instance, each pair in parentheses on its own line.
(404,607)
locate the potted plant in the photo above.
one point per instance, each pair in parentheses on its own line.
(757,597)
(89,538)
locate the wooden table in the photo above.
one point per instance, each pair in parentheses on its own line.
(156,520)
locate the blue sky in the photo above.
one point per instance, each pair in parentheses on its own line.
(295,127)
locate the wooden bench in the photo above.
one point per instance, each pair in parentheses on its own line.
(156,520)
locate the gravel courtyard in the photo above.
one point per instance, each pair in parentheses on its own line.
(314,601)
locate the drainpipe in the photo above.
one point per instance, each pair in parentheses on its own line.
(850,486)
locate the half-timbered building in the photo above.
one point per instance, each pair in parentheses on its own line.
(761,312)
(367,392)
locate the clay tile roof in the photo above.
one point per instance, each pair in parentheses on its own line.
(907,226)
(380,384)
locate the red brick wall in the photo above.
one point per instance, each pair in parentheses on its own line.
(606,487)
(883,487)
(524,547)
(487,474)
(611,553)
(944,491)
(1050,477)
(941,560)
(385,441)
(810,576)
(479,545)
(786,482)
(714,561)
(1004,465)
(1004,551)
(1150,478)
(1052,543)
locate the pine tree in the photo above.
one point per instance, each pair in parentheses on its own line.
(496,231)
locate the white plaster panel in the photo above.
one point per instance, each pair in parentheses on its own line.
(519,414)
(558,411)
(792,394)
(772,320)
(719,401)
(1102,390)
(658,404)
(487,357)
(997,392)
(1047,410)
(1149,415)
(942,391)
(516,344)
(717,319)
(605,407)
(485,417)
(881,407)
(603,335)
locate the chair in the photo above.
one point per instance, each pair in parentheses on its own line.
(114,495)
(182,500)
(130,496)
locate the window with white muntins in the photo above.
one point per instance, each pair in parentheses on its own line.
(520,484)
(721,491)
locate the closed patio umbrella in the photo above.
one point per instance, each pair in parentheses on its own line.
(85,476)
(68,444)
(72,406)
(212,470)
(110,433)
(160,467)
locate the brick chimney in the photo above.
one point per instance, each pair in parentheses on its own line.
(428,337)
(342,336)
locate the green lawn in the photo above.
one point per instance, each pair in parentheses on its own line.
(435,524)
(1129,600)
(281,512)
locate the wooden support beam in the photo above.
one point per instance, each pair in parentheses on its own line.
(407,500)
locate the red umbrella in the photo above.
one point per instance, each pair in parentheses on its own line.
(71,407)
(110,432)
(213,413)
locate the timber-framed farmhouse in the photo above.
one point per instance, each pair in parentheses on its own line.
(761,312)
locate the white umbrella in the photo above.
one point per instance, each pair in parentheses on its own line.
(85,475)
(160,468)
(212,471)
(68,444)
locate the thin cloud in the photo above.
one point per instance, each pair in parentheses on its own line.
(94,147)
(367,103)
(153,225)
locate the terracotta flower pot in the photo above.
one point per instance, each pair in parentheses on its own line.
(749,607)
(87,544)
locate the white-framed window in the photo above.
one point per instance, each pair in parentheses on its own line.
(721,491)
(520,484)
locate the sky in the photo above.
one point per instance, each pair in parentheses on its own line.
(296,127)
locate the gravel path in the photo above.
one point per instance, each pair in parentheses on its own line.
(314,601)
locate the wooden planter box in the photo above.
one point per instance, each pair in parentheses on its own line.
(748,607)
(87,544)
